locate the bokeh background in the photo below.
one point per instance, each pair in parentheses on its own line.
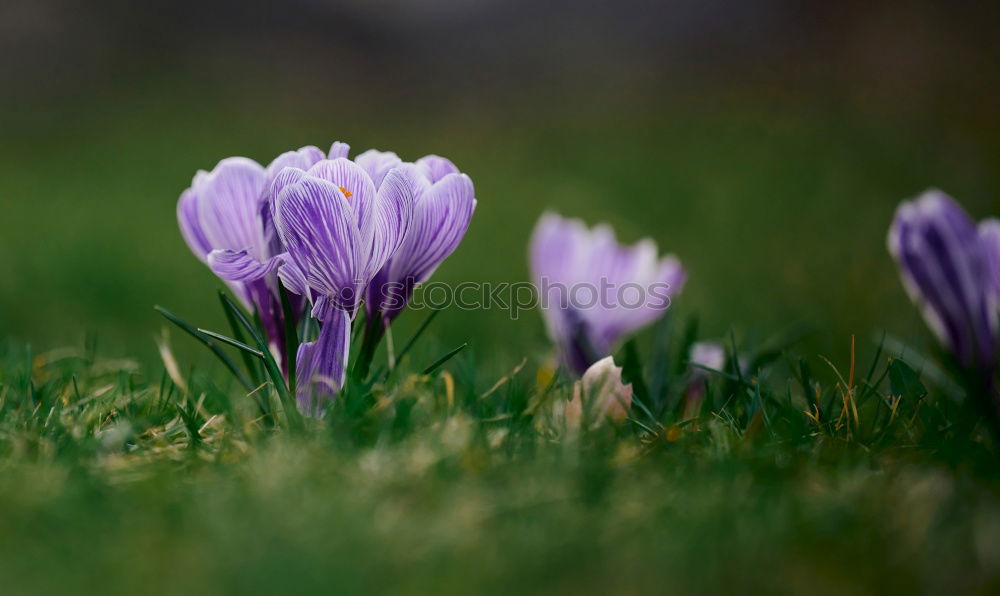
(764,142)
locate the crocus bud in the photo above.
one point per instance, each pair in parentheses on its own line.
(599,395)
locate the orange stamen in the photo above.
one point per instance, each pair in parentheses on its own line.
(346,192)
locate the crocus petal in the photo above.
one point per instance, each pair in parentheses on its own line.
(229,204)
(326,308)
(558,246)
(284,178)
(317,226)
(436,167)
(440,220)
(292,277)
(639,297)
(354,182)
(945,270)
(187,218)
(989,234)
(377,164)
(338,149)
(671,273)
(238,265)
(303,159)
(321,365)
(417,178)
(393,212)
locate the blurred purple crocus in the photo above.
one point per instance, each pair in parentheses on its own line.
(443,203)
(989,232)
(225,220)
(949,268)
(594,291)
(339,229)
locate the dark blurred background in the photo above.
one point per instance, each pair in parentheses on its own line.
(765,142)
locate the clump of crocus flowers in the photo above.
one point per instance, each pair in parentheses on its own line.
(325,233)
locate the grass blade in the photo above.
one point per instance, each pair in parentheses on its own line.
(252,366)
(270,366)
(416,335)
(291,337)
(632,371)
(440,361)
(232,342)
(207,342)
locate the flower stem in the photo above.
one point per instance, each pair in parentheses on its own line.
(370,339)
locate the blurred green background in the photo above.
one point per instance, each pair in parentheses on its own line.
(766,145)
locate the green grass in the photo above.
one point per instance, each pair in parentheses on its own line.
(119,479)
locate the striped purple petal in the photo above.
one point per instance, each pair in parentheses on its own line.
(220,211)
(321,365)
(356,186)
(989,234)
(393,213)
(945,268)
(286,177)
(302,158)
(318,227)
(228,204)
(338,149)
(377,164)
(441,216)
(417,178)
(187,219)
(293,277)
(436,167)
(238,265)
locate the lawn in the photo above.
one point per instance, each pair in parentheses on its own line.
(115,480)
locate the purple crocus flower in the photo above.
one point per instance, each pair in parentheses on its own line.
(226,221)
(339,230)
(989,233)
(594,291)
(949,269)
(444,200)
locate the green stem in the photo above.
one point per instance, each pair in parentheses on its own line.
(371,337)
(291,337)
